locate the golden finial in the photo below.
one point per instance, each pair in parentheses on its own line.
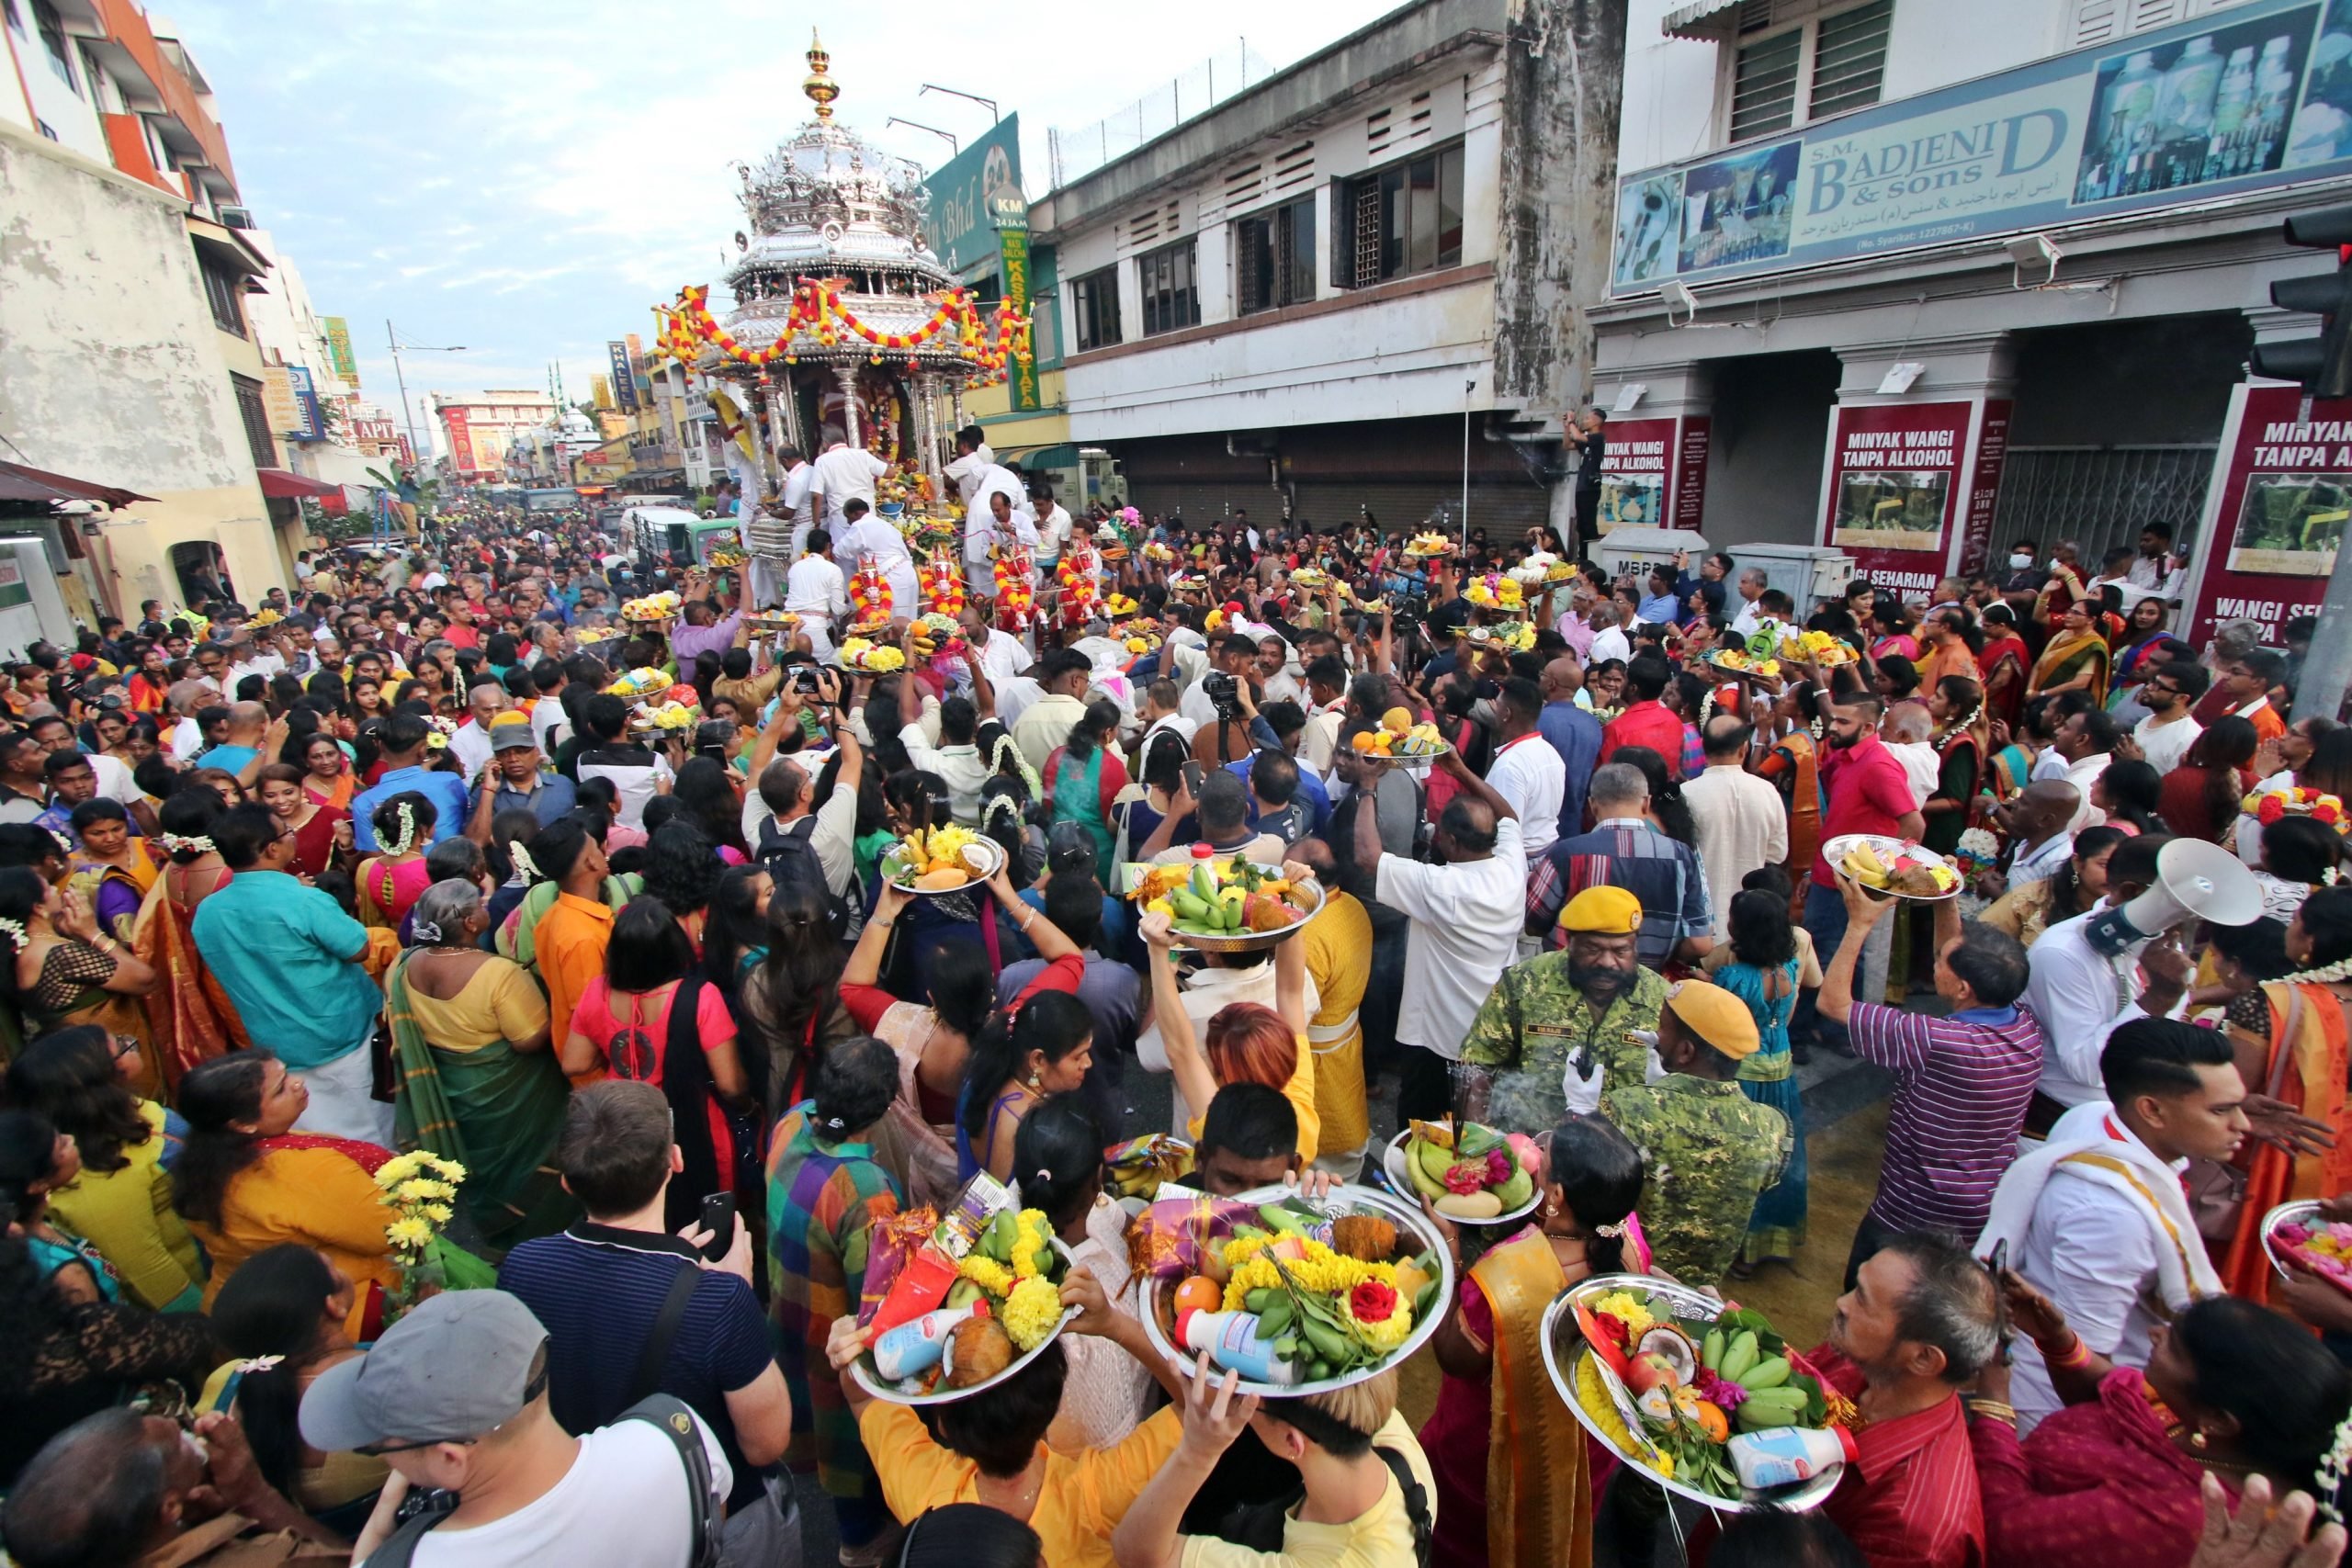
(820,88)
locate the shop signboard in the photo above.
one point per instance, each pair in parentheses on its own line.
(1637,468)
(1019,375)
(624,395)
(1690,493)
(461,440)
(2275,511)
(338,336)
(310,423)
(277,400)
(1895,486)
(2246,99)
(1992,455)
(972,195)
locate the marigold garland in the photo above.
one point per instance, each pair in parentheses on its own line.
(870,591)
(942,586)
(817,310)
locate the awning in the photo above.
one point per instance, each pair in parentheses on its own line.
(20,483)
(1701,19)
(279,484)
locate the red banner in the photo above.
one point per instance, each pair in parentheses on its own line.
(1992,452)
(1647,476)
(1894,477)
(2274,512)
(1690,495)
(461,440)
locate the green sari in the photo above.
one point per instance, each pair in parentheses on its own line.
(496,1111)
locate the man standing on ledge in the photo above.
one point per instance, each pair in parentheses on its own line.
(1588,433)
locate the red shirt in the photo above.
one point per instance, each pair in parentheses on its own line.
(1910,1500)
(1869,793)
(1650,724)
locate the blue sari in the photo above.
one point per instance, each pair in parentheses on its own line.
(1768,1077)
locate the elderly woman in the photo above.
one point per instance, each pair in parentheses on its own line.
(477,1084)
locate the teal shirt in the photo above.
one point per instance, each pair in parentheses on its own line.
(286,955)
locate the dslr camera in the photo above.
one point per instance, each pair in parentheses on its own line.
(1224,692)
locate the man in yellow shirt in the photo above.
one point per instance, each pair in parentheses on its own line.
(1338,960)
(1352,1451)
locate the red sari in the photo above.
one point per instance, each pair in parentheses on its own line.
(2097,1483)
(189,1017)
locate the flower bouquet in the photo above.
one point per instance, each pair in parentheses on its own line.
(1705,1396)
(1140,634)
(421,1189)
(958,1302)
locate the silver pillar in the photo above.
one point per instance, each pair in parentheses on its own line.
(851,425)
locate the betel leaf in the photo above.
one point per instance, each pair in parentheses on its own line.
(1816,1405)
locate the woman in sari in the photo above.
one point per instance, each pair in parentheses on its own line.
(1789,765)
(1516,1480)
(1084,776)
(65,970)
(188,1015)
(320,836)
(477,1084)
(1956,706)
(2290,1041)
(2146,629)
(246,1181)
(391,880)
(327,777)
(2075,659)
(113,871)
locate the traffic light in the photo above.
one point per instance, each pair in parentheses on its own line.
(2324,364)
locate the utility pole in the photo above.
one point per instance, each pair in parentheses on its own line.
(408,416)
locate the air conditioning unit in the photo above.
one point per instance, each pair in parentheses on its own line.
(237,217)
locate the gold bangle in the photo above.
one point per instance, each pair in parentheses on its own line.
(1993,1409)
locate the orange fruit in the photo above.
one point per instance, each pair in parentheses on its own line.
(1200,1293)
(1713,1421)
(1363,742)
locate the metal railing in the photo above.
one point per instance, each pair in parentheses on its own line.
(1079,150)
(2100,497)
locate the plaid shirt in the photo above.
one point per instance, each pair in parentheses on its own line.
(1627,853)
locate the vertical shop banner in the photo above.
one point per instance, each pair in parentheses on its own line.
(1020,375)
(338,336)
(2274,512)
(310,420)
(1895,475)
(1690,491)
(1637,471)
(277,401)
(1985,489)
(461,440)
(624,382)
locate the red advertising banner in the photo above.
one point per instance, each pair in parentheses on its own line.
(1895,475)
(1635,472)
(1690,494)
(1985,489)
(2274,512)
(461,440)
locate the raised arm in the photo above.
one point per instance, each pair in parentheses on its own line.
(1043,934)
(1194,1079)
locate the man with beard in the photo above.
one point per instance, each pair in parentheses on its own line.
(1563,1027)
(2170,694)
(1867,792)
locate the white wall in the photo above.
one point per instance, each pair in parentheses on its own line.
(1669,91)
(66,112)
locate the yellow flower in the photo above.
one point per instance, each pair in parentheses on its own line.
(1386,1335)
(437,1213)
(409,1236)
(395,1170)
(416,1190)
(1031,1312)
(1029,1235)
(986,1273)
(1620,1304)
(1593,1395)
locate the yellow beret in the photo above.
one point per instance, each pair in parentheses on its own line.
(1605,911)
(1715,1015)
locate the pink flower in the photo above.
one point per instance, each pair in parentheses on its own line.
(1499,1164)
(1465,1178)
(1729,1397)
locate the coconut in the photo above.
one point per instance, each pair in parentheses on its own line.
(1665,1340)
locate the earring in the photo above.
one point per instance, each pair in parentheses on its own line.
(1035,1082)
(1551,1211)
(2197,1441)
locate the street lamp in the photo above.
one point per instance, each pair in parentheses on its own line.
(954,146)
(988,104)
(408,416)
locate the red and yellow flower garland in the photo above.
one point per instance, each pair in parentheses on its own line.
(869,590)
(1014,596)
(943,586)
(817,309)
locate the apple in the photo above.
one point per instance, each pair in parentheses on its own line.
(1652,1371)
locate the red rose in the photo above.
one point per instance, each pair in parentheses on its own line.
(1372,1302)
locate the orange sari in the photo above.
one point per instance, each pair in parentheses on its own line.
(2311,1069)
(189,1017)
(1790,766)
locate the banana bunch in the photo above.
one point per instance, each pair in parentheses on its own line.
(1861,864)
(1739,1359)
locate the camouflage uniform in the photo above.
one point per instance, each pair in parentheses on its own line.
(1533,1023)
(1708,1151)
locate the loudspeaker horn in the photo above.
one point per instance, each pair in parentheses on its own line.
(2195,880)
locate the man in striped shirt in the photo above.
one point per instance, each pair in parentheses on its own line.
(1964,1080)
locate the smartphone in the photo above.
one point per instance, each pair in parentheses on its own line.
(1996,1266)
(1195,777)
(718,1219)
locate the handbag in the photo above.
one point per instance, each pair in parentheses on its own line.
(2217,1188)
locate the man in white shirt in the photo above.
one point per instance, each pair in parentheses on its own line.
(1235,655)
(973,456)
(998,520)
(1741,822)
(1326,708)
(1465,912)
(2035,822)
(2082,990)
(247,657)
(957,757)
(1053,526)
(1064,674)
(844,473)
(788,785)
(1609,641)
(471,744)
(815,590)
(1160,712)
(1528,774)
(2170,694)
(1001,653)
(2087,741)
(1745,610)
(791,497)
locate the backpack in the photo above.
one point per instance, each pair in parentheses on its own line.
(1259,1526)
(789,854)
(676,1422)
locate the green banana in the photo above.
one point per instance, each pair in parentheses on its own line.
(1425,1184)
(1738,1356)
(1187,906)
(1754,1419)
(1204,884)
(1766,1375)
(1259,1300)
(1434,1160)
(1286,1222)
(995,1241)
(1711,1353)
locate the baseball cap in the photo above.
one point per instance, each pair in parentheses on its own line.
(454,1367)
(1715,1015)
(510,732)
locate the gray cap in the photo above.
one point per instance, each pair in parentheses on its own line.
(454,1367)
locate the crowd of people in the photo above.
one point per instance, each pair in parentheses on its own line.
(387,867)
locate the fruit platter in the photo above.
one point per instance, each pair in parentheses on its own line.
(1299,1297)
(1141,634)
(1470,1173)
(1739,661)
(1895,866)
(642,681)
(1155,551)
(661,606)
(1510,636)
(870,658)
(1230,905)
(1815,648)
(932,861)
(1428,546)
(774,621)
(725,558)
(1697,1393)
(1135,1171)
(957,1304)
(935,634)
(1399,739)
(2296,1231)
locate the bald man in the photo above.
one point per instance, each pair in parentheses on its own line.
(2037,823)
(240,751)
(1573,733)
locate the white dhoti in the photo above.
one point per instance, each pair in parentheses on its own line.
(342,1099)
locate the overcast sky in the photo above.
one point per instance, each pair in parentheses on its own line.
(528,178)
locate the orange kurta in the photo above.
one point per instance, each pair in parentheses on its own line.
(568,947)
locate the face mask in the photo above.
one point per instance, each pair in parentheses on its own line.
(2021,563)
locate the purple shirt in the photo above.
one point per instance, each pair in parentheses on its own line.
(1964,1083)
(686,641)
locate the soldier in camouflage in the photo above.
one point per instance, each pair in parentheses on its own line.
(1707,1149)
(1562,1027)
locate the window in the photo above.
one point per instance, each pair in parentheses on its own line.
(1094,309)
(53,44)
(251,408)
(1400,220)
(1273,257)
(221,287)
(1172,296)
(1818,67)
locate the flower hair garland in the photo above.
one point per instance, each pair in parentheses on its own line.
(2333,1466)
(406,841)
(14,931)
(1002,806)
(1020,764)
(520,858)
(173,845)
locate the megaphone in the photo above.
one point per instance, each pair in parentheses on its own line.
(2194,880)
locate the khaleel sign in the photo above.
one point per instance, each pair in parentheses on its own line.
(2250,98)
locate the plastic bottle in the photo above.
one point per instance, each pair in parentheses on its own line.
(917,1345)
(2131,100)
(2235,97)
(1204,852)
(1782,1456)
(1231,1340)
(2185,105)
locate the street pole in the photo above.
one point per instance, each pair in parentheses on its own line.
(407,416)
(2327,668)
(1467,388)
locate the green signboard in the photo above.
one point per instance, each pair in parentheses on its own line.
(972,195)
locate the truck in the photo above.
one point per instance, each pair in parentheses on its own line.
(674,537)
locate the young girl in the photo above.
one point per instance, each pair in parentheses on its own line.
(1765,974)
(391,881)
